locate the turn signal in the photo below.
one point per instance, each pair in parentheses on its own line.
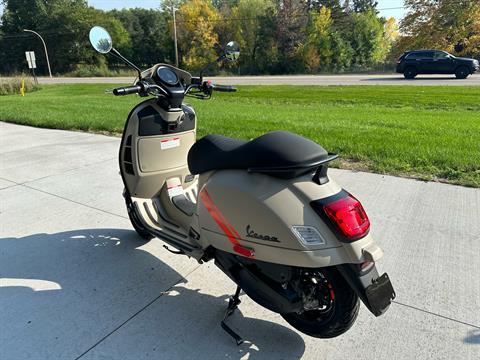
(350,217)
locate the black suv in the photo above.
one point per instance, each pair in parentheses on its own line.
(412,63)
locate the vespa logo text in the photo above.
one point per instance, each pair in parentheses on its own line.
(254,235)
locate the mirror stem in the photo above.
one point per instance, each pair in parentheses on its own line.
(221,58)
(128,62)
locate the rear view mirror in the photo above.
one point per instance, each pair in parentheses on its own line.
(232,51)
(101,40)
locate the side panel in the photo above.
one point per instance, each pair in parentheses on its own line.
(258,211)
(153,150)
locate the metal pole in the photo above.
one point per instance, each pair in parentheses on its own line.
(175,36)
(45,47)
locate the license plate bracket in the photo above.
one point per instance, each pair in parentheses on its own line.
(380,295)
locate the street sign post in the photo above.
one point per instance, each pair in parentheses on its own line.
(32,63)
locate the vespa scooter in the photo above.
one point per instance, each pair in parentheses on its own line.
(264,210)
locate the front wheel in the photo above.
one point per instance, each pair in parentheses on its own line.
(462,72)
(330,305)
(410,73)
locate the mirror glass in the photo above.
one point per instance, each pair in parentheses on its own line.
(232,51)
(101,39)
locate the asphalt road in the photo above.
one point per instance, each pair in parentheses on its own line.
(390,79)
(76,282)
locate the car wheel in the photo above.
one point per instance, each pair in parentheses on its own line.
(410,72)
(462,72)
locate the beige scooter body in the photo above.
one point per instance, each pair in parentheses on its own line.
(261,211)
(265,211)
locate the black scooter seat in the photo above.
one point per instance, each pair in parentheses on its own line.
(279,153)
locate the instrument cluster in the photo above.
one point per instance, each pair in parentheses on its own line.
(167,76)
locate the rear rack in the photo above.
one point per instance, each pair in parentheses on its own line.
(288,172)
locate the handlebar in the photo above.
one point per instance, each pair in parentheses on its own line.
(223,88)
(143,88)
(122,91)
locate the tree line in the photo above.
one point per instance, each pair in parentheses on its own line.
(276,36)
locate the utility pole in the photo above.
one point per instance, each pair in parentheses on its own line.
(45,47)
(175,35)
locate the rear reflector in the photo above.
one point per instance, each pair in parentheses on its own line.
(350,217)
(308,235)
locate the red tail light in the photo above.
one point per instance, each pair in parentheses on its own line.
(350,217)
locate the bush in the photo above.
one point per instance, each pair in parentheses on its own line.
(11,86)
(86,70)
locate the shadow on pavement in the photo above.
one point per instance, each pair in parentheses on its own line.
(73,259)
(402,79)
(192,321)
(473,337)
(104,276)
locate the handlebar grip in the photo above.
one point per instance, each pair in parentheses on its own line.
(224,88)
(122,91)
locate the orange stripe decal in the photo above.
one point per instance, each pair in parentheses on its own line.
(223,224)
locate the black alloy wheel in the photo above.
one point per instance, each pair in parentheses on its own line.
(410,73)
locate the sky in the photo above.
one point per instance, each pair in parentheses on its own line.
(387,8)
(118,4)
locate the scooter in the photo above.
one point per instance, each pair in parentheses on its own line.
(264,210)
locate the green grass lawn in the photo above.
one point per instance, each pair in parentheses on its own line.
(430,133)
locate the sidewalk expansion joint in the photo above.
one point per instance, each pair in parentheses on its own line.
(135,314)
(73,201)
(67,171)
(438,315)
(9,186)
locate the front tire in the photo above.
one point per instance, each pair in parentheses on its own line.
(331,321)
(462,72)
(410,73)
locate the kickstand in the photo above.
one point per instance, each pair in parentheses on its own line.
(233,303)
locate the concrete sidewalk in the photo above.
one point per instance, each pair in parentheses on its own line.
(75,281)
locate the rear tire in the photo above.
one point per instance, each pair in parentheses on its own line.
(462,72)
(340,317)
(137,225)
(410,73)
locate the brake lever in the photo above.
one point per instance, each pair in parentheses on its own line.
(199,96)
(108,91)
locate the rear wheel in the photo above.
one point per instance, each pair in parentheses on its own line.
(137,225)
(462,72)
(410,72)
(330,305)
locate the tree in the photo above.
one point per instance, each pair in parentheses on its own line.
(71,21)
(390,34)
(19,15)
(149,33)
(291,23)
(196,33)
(366,37)
(443,24)
(276,36)
(364,5)
(325,48)
(317,51)
(64,24)
(252,13)
(338,9)
(268,54)
(166,5)
(224,4)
